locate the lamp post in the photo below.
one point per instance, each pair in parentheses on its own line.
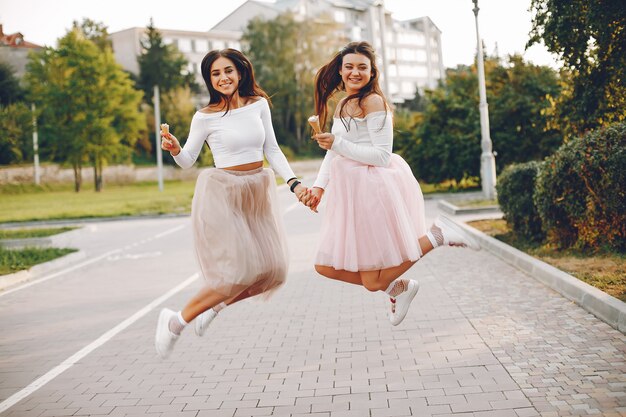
(487,159)
(157,136)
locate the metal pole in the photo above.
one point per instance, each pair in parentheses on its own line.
(157,136)
(487,159)
(35,145)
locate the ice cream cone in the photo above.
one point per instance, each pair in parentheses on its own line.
(165,128)
(314,121)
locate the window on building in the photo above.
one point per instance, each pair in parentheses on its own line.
(202,46)
(340,16)
(218,45)
(184,45)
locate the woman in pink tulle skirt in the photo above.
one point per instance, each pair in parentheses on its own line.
(373,229)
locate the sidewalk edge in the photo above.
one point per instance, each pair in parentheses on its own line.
(605,307)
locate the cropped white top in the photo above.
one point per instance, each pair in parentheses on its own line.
(238,137)
(368,140)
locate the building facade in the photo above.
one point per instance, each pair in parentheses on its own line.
(193,45)
(409,51)
(14,51)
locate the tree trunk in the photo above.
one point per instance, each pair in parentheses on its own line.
(78,176)
(97,173)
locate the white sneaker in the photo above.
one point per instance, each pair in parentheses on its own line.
(165,339)
(454,235)
(400,303)
(203,320)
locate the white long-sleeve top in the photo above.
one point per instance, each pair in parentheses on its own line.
(368,140)
(241,136)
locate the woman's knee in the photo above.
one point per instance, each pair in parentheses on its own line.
(371,281)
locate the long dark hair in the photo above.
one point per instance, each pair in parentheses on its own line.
(328,81)
(247,85)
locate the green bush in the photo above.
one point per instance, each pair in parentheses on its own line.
(581,191)
(516,186)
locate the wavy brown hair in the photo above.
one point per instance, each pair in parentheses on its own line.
(328,81)
(247,85)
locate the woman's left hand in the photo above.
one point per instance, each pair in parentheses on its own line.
(325,140)
(300,191)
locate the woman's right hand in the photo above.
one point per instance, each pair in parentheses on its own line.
(315,196)
(170,143)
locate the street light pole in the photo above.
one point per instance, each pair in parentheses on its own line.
(157,136)
(35,144)
(487,159)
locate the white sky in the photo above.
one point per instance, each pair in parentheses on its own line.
(502,22)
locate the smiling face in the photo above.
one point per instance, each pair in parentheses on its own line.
(356,72)
(224,76)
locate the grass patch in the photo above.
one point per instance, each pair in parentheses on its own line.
(451,186)
(604,270)
(31,233)
(26,202)
(14,260)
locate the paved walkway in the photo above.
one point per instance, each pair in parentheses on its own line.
(481,340)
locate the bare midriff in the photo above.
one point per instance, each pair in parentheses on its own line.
(245,167)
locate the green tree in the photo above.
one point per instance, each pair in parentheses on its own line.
(521,102)
(178,108)
(16,127)
(10,89)
(447,142)
(286,54)
(590,38)
(162,65)
(87,104)
(96,32)
(521,98)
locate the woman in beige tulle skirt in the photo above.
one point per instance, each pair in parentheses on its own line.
(238,232)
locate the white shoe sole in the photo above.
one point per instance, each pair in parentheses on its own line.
(161,324)
(471,242)
(401,312)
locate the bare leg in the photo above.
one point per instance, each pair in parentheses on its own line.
(339,274)
(201,302)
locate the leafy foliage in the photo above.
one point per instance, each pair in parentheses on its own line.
(521,99)
(286,54)
(581,191)
(516,186)
(162,65)
(590,39)
(16,139)
(87,104)
(10,89)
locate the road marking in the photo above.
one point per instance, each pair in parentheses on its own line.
(90,261)
(69,362)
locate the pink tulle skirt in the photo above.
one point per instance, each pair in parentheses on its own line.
(373,218)
(238,231)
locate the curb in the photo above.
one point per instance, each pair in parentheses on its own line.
(39,242)
(11,280)
(605,307)
(450,208)
(86,220)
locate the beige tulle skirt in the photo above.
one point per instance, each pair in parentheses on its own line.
(238,231)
